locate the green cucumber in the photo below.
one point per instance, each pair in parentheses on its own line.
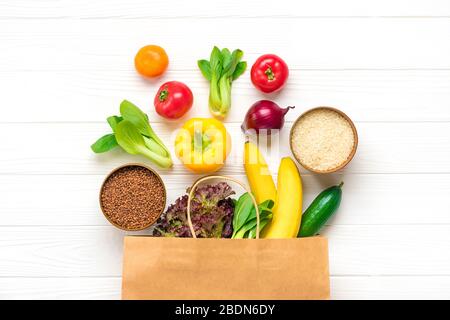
(320,210)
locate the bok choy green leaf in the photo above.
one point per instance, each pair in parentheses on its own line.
(221,70)
(244,218)
(133,133)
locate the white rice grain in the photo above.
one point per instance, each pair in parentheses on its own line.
(322,140)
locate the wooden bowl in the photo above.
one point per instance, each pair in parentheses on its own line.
(133,165)
(352,153)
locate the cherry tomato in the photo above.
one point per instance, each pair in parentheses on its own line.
(173,100)
(151,61)
(269,73)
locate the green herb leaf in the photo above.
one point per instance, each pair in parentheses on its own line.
(263,207)
(105,143)
(223,68)
(252,232)
(154,146)
(215,61)
(134,134)
(132,113)
(240,234)
(113,121)
(139,119)
(244,219)
(236,56)
(242,210)
(205,68)
(129,137)
(251,225)
(131,140)
(240,69)
(226,58)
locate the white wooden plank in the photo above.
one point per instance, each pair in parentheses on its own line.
(389,288)
(389,250)
(367,199)
(97,251)
(47,148)
(58,67)
(92,95)
(341,288)
(323,43)
(231,8)
(60,288)
(60,251)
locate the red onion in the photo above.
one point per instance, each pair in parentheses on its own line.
(264,114)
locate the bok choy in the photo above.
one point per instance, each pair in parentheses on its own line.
(133,133)
(244,218)
(221,70)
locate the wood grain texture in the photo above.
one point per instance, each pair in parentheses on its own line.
(107,288)
(66,65)
(368,199)
(232,8)
(392,288)
(92,95)
(321,43)
(347,287)
(63,148)
(97,251)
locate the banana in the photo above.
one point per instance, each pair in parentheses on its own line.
(287,212)
(258,174)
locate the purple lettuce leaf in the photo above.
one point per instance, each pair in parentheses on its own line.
(211,214)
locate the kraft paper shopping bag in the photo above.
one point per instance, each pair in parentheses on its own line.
(184,268)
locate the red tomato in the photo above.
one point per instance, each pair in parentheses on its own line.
(173,100)
(269,73)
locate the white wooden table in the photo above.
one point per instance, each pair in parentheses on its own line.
(66,65)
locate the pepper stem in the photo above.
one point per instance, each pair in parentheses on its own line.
(341,184)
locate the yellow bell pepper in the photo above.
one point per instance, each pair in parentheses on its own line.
(203,144)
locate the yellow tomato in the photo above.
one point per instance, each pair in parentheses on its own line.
(202,145)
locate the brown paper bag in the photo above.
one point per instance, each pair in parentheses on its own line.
(181,268)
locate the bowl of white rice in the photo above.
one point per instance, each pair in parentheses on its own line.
(323,140)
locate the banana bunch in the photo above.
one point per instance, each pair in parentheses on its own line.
(288,195)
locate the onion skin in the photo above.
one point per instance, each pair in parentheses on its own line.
(264,115)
